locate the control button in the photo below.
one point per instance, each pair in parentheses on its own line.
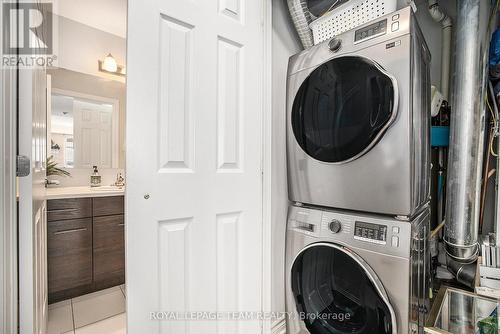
(395,17)
(395,229)
(395,241)
(395,26)
(335,44)
(335,226)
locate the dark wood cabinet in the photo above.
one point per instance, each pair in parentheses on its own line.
(105,206)
(109,251)
(69,208)
(85,245)
(69,252)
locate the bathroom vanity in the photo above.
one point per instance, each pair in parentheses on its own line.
(85,241)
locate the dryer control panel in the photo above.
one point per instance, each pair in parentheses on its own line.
(376,29)
(373,30)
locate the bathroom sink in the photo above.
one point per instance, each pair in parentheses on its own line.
(106,188)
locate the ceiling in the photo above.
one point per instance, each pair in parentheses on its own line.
(106,15)
(62,105)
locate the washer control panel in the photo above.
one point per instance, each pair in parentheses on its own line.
(374,233)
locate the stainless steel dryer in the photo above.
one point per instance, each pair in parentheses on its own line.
(358,114)
(355,274)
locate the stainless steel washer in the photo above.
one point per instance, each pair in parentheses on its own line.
(358,119)
(355,273)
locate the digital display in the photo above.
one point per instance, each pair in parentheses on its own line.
(375,29)
(369,231)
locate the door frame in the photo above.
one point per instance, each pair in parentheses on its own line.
(8,202)
(8,195)
(267,152)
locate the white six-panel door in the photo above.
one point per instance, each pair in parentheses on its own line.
(194,152)
(93,135)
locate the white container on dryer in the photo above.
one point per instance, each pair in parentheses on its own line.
(358,119)
(348,16)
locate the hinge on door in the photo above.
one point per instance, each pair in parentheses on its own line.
(23,166)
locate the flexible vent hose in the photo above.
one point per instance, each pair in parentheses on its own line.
(301,18)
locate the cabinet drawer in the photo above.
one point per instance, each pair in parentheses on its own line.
(107,206)
(69,208)
(69,254)
(109,251)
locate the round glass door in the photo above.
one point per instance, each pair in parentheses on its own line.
(334,294)
(343,108)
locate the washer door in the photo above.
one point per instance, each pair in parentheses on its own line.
(337,292)
(343,108)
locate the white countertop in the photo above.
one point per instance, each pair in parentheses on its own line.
(86,191)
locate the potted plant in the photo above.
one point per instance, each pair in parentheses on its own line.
(52,170)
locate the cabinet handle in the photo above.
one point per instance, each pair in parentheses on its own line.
(71,231)
(62,210)
(121,224)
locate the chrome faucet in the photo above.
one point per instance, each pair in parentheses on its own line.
(49,182)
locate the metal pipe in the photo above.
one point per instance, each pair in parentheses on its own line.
(464,273)
(467,131)
(301,18)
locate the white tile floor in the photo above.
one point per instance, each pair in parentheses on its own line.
(101,312)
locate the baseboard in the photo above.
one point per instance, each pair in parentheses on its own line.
(279,326)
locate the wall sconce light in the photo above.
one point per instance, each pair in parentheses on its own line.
(109,65)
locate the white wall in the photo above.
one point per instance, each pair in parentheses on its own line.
(108,15)
(432,34)
(79,47)
(285,43)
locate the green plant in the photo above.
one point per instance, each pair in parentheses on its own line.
(52,168)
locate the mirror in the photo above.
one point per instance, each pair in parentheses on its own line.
(86,121)
(84,130)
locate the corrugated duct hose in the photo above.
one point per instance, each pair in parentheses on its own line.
(301,18)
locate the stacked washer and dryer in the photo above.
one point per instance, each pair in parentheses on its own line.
(358,151)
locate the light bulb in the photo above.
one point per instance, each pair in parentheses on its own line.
(109,64)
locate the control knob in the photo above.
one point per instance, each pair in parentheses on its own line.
(335,44)
(335,226)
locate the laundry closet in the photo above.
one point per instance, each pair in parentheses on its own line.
(375,163)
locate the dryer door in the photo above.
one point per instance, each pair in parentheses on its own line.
(335,291)
(343,108)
